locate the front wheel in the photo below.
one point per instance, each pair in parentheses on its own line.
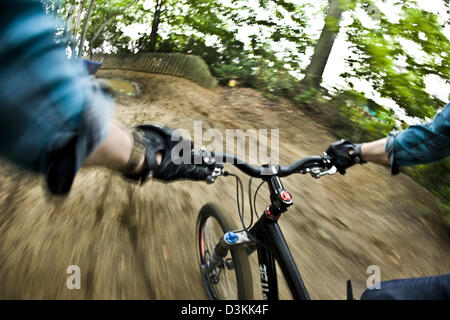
(231,279)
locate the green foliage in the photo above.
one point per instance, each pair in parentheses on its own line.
(307,97)
(332,23)
(274,80)
(435,177)
(378,52)
(188,23)
(244,70)
(360,119)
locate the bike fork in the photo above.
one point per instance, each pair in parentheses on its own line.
(229,240)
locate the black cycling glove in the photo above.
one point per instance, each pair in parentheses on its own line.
(345,154)
(151,139)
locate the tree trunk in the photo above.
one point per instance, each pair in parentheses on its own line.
(86,23)
(322,50)
(155,25)
(69,23)
(77,25)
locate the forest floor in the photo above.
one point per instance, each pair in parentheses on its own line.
(134,242)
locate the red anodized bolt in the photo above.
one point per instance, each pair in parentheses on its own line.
(286,196)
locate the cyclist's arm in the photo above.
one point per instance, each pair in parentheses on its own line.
(53,117)
(375,152)
(52,114)
(418,144)
(114,152)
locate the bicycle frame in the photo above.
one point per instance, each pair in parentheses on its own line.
(273,246)
(270,245)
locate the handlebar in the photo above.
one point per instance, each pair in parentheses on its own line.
(316,165)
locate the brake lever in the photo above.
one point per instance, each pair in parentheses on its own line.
(216,173)
(203,157)
(208,159)
(318,172)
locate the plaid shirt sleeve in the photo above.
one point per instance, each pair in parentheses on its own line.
(420,144)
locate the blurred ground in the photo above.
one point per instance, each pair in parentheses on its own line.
(138,242)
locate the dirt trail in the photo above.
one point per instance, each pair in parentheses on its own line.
(138,242)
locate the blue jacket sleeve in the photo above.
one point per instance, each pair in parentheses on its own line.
(52,114)
(420,144)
